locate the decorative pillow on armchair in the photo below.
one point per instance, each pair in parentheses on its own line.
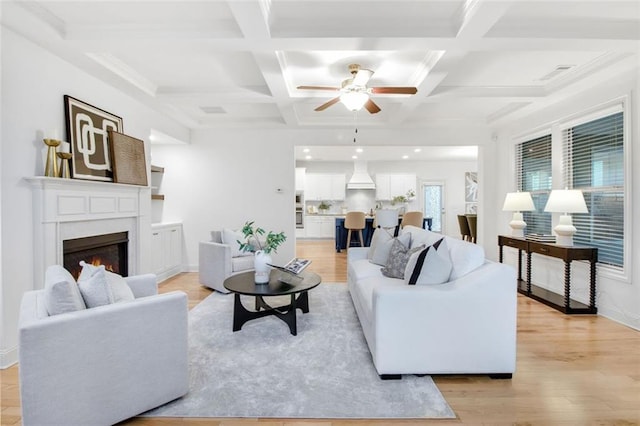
(118,288)
(431,265)
(231,238)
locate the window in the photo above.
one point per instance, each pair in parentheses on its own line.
(533,174)
(594,163)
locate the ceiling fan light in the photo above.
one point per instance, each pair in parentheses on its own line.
(354,101)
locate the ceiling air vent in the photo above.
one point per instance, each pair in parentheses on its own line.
(556,72)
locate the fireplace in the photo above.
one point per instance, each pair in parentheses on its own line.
(110,250)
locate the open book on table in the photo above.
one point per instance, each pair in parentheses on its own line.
(294,266)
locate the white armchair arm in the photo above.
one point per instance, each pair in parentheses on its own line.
(214,265)
(143,285)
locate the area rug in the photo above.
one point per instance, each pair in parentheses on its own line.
(262,370)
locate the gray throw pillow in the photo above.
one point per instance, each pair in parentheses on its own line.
(398,258)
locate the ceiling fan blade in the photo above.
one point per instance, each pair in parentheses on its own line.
(372,107)
(327,104)
(399,90)
(319,88)
(362,77)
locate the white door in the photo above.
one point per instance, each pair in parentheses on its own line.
(433,207)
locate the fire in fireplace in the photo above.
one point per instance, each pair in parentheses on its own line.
(109,250)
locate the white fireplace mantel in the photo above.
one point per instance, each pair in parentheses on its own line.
(72,208)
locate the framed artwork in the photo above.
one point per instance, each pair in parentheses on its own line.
(471,187)
(88,134)
(128,159)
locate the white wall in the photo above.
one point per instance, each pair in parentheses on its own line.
(617,298)
(33,84)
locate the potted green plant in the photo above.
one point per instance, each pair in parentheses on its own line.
(262,248)
(324,205)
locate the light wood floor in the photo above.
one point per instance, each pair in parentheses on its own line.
(571,370)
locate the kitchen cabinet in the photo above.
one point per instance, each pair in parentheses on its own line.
(320,227)
(300,178)
(389,185)
(325,186)
(166,249)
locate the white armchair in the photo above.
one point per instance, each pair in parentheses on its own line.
(102,365)
(217,262)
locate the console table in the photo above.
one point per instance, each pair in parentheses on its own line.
(568,254)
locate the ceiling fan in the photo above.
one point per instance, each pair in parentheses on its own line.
(354,91)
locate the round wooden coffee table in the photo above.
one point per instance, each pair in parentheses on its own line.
(280,284)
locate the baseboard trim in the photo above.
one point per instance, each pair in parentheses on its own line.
(8,357)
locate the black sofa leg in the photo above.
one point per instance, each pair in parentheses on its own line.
(391,376)
(501,376)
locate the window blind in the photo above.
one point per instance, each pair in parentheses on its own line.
(594,163)
(533,174)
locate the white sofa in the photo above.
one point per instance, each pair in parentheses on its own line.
(218,261)
(464,326)
(102,365)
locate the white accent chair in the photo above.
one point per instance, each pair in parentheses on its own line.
(216,262)
(102,365)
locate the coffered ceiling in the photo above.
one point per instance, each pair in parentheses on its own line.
(238,62)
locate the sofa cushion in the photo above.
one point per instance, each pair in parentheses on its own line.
(95,289)
(465,257)
(383,249)
(242,263)
(431,265)
(398,257)
(120,290)
(61,293)
(362,268)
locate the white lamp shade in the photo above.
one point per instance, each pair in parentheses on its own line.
(518,202)
(566,201)
(354,101)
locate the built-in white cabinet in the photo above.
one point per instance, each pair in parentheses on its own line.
(300,178)
(320,227)
(324,186)
(389,185)
(166,249)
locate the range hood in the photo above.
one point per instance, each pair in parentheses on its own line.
(360,178)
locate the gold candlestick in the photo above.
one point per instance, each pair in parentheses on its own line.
(51,168)
(64,164)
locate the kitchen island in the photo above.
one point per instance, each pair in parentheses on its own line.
(367,232)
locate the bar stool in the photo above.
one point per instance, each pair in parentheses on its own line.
(411,218)
(386,219)
(354,221)
(472,220)
(463,223)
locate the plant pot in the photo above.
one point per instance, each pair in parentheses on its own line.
(262,269)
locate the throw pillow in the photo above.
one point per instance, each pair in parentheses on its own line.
(95,289)
(383,249)
(398,258)
(431,265)
(119,288)
(231,238)
(61,293)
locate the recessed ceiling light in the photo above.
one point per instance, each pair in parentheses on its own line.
(308,157)
(359,150)
(404,157)
(305,150)
(417,150)
(355,157)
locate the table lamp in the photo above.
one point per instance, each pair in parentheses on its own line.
(565,201)
(518,202)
